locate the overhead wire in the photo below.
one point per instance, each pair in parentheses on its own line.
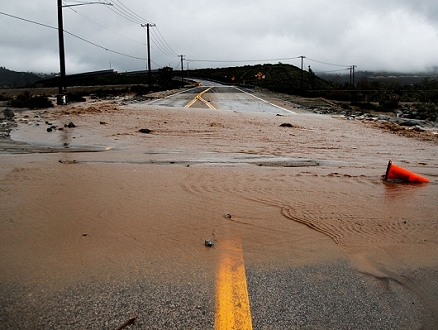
(104,48)
(164,41)
(120,9)
(330,71)
(122,14)
(157,38)
(73,35)
(131,12)
(159,41)
(245,61)
(332,64)
(28,21)
(161,45)
(104,27)
(123,11)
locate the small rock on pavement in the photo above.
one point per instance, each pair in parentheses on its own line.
(209,243)
(145,130)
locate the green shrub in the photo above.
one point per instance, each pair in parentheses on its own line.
(427,111)
(390,105)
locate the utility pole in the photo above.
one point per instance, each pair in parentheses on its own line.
(352,67)
(61,98)
(182,67)
(148,45)
(62,82)
(301,76)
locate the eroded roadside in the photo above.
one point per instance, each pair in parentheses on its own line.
(413,128)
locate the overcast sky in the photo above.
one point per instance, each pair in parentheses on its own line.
(390,35)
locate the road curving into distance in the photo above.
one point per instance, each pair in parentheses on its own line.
(220,97)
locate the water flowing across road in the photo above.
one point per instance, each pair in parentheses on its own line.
(221,97)
(306,233)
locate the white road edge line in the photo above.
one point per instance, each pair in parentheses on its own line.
(260,99)
(162,98)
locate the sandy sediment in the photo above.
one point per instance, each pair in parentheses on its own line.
(101,223)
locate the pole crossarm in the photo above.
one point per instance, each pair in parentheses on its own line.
(88,3)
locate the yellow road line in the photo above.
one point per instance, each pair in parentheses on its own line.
(199,97)
(232,301)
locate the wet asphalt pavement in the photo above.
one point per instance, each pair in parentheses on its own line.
(331,296)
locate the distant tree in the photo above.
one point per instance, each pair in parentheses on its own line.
(427,111)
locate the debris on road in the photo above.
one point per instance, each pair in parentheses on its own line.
(129,322)
(209,243)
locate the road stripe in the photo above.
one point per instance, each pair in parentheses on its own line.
(260,99)
(199,97)
(232,300)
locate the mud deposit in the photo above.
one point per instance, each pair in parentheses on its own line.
(105,203)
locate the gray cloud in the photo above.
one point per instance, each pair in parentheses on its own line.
(374,35)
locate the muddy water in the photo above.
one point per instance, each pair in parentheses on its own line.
(146,204)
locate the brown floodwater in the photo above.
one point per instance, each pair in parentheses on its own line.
(144,203)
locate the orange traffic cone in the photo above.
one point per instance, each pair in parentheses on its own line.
(394,172)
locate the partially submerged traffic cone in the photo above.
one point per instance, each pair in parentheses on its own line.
(394,172)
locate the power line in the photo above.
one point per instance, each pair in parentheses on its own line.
(124,14)
(73,35)
(120,9)
(158,40)
(164,40)
(244,61)
(330,71)
(104,27)
(158,65)
(28,21)
(332,64)
(104,48)
(132,13)
(162,44)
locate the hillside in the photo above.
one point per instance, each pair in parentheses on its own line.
(10,78)
(283,78)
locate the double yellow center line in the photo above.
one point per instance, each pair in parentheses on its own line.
(199,98)
(232,300)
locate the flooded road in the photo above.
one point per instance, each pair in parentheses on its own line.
(221,97)
(317,229)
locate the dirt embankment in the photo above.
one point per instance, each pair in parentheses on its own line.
(419,129)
